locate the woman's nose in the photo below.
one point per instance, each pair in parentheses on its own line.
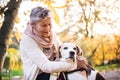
(48,28)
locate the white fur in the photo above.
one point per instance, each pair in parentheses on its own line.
(66,48)
(76,76)
(92,76)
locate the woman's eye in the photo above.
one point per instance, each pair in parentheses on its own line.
(65,48)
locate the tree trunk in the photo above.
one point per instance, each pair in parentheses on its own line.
(6,28)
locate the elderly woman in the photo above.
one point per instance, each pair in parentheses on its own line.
(38,47)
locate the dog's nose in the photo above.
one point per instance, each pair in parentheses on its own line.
(72,53)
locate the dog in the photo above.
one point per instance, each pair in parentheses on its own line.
(72,52)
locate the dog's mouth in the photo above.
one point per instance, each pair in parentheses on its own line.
(71,58)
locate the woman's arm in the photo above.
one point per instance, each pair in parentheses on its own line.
(36,55)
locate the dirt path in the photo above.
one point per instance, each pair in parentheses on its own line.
(111,75)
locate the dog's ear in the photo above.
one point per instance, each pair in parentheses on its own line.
(59,51)
(79,51)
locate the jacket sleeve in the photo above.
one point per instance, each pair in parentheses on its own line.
(32,50)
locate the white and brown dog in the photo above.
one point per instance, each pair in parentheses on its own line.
(71,52)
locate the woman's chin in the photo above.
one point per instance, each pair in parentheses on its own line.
(46,35)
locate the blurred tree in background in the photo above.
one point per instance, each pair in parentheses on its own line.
(8,12)
(94,25)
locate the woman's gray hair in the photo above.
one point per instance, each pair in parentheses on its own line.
(39,13)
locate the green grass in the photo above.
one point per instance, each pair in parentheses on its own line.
(6,76)
(17,73)
(108,67)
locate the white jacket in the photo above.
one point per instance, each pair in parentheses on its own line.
(35,60)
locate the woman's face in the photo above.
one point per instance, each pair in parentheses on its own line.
(44,27)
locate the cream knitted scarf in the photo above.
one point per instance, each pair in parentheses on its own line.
(42,42)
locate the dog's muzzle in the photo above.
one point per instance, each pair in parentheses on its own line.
(71,55)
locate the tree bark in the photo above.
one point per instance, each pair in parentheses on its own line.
(6,29)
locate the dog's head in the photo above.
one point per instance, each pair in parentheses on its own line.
(69,51)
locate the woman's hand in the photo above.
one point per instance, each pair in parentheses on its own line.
(82,62)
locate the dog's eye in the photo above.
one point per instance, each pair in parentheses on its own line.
(75,48)
(65,48)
